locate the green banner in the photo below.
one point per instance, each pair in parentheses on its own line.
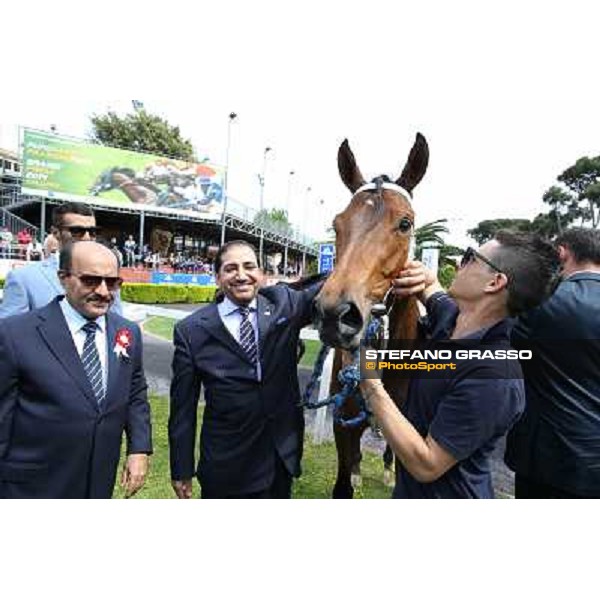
(69,169)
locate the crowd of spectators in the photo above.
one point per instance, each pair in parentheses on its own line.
(130,255)
(22,246)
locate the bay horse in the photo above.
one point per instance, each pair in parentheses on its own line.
(373,235)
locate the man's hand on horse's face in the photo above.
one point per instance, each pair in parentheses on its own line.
(413,279)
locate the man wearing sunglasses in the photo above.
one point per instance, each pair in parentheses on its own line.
(71,383)
(35,285)
(446,430)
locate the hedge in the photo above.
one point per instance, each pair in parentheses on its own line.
(150,293)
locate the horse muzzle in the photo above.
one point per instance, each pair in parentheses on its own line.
(340,325)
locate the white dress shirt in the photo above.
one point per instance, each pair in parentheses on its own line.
(232,319)
(75,323)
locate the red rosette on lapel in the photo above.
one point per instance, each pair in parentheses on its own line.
(123,340)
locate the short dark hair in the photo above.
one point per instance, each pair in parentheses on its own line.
(530,263)
(583,242)
(77,208)
(65,258)
(225,247)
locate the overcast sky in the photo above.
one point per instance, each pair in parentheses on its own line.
(506,93)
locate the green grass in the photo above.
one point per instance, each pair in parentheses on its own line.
(318,465)
(312,348)
(160,326)
(163,327)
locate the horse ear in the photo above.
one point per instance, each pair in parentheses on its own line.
(349,171)
(416,165)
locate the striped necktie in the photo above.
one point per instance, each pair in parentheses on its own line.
(91,361)
(247,338)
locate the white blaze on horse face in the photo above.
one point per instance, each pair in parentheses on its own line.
(370,202)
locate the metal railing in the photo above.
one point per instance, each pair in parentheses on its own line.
(15,224)
(263,221)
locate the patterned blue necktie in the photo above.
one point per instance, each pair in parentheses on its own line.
(247,339)
(91,361)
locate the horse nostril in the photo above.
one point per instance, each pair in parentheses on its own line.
(350,316)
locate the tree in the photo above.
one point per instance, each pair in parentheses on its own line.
(448,250)
(431,234)
(142,132)
(275,219)
(581,199)
(446,275)
(485,230)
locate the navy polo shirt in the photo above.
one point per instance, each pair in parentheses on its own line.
(466,413)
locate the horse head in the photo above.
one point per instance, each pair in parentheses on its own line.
(373,236)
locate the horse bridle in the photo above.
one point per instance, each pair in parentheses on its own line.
(380,310)
(377,186)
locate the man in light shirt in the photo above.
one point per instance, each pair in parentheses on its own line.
(71,382)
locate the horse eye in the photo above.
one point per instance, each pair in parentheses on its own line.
(405,225)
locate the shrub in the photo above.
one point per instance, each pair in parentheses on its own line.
(1,282)
(150,293)
(446,275)
(201,293)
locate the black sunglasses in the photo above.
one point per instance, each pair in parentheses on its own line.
(94,281)
(78,232)
(471,254)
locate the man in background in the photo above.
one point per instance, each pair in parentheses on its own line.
(33,286)
(555,448)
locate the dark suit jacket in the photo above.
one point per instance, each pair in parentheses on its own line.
(557,441)
(246,422)
(55,442)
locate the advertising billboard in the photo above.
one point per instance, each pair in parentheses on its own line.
(68,169)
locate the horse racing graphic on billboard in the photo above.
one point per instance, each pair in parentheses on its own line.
(69,169)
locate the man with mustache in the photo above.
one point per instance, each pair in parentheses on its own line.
(71,382)
(242,349)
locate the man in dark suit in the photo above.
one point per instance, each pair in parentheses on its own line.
(71,382)
(555,448)
(243,350)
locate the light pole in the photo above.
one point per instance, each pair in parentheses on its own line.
(262,179)
(321,214)
(287,211)
(232,117)
(262,205)
(289,192)
(304,224)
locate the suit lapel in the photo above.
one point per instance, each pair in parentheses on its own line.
(265,310)
(55,333)
(213,324)
(112,360)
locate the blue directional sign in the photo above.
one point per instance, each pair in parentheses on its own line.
(326,257)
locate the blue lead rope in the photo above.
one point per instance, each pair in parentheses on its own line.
(349,378)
